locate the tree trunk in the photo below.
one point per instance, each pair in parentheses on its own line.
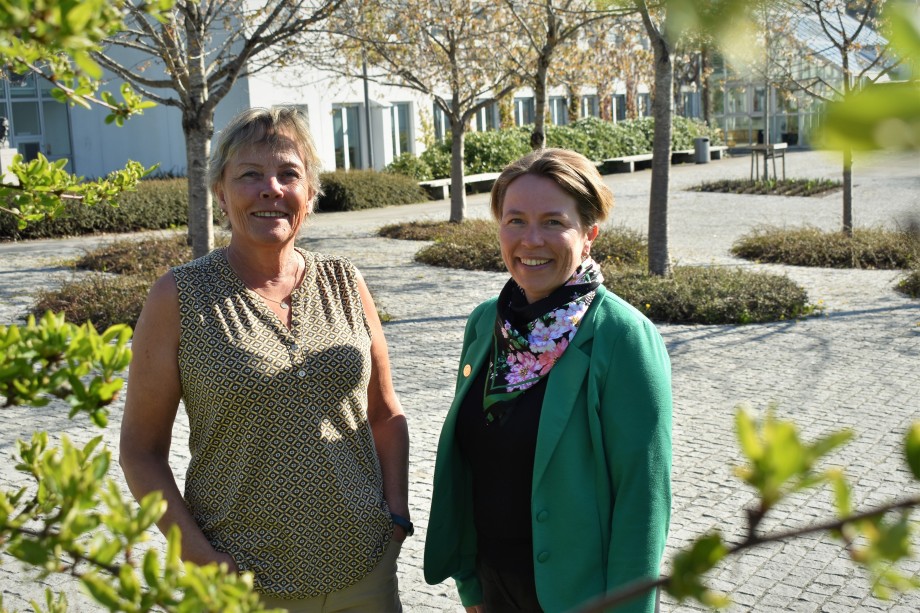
(200,210)
(457,188)
(538,136)
(198,126)
(659,260)
(705,92)
(848,191)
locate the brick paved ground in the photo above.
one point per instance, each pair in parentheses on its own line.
(856,367)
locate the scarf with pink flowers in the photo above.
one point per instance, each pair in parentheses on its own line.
(525,353)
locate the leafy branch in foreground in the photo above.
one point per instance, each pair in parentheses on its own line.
(779,463)
(63,528)
(44,185)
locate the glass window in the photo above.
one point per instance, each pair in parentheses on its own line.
(22,86)
(619,101)
(347,136)
(558,110)
(57,133)
(758,100)
(399,115)
(441,123)
(523,111)
(590,106)
(736,100)
(645,105)
(25,119)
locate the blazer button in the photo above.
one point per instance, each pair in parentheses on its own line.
(467,370)
(542,516)
(543,557)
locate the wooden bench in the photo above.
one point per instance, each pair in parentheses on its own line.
(439,189)
(627,163)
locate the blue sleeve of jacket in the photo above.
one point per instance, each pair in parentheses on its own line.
(636,416)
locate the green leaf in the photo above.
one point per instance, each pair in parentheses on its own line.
(912,449)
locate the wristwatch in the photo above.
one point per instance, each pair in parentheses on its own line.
(403,523)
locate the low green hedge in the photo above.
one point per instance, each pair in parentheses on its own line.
(156,204)
(596,139)
(352,190)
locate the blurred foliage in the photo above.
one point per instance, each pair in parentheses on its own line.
(771,187)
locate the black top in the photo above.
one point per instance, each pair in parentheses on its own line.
(501,456)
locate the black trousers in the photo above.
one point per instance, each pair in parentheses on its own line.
(507,591)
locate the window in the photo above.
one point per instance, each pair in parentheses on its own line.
(558,110)
(645,105)
(487,118)
(38,123)
(346,129)
(441,123)
(590,106)
(619,104)
(523,111)
(399,120)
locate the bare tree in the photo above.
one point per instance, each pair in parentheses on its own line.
(845,30)
(452,50)
(545,26)
(191,61)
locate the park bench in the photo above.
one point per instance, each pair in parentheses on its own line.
(627,163)
(688,156)
(439,189)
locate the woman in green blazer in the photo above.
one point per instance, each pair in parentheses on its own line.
(552,482)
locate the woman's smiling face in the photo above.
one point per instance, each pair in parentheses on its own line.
(264,192)
(543,239)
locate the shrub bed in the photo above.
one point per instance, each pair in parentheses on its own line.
(473,244)
(709,295)
(770,187)
(910,284)
(809,246)
(700,295)
(353,190)
(156,204)
(104,300)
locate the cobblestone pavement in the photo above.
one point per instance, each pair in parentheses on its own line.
(856,366)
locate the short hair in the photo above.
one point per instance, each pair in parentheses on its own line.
(266,125)
(571,171)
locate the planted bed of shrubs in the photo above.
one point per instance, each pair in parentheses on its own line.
(492,150)
(701,295)
(809,246)
(771,187)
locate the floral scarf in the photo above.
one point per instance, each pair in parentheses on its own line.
(523,357)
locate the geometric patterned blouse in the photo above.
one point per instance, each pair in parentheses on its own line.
(284,475)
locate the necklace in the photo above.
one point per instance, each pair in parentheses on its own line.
(284,303)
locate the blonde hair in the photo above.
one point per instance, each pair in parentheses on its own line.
(266,125)
(571,171)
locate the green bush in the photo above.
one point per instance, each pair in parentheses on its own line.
(709,295)
(809,246)
(156,204)
(596,139)
(492,150)
(437,157)
(410,166)
(770,187)
(352,190)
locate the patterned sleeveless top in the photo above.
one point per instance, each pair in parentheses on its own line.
(284,475)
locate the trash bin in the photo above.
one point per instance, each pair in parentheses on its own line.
(701,150)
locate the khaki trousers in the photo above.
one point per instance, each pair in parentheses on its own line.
(378,592)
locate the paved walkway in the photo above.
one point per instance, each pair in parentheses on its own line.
(857,366)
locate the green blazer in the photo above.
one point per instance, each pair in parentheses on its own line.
(601,496)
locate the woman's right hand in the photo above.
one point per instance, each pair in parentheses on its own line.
(476,609)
